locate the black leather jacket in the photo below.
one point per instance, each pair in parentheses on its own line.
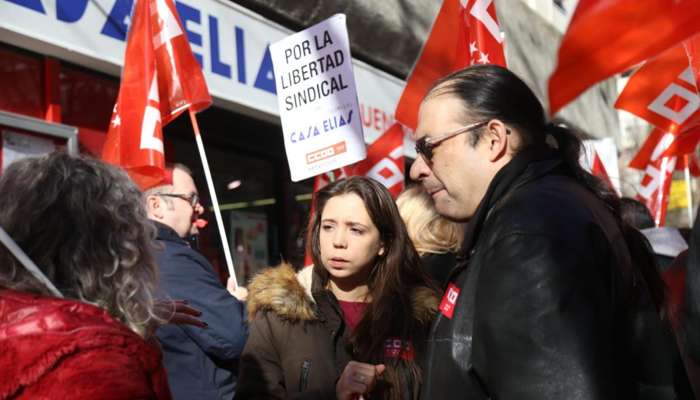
(544,307)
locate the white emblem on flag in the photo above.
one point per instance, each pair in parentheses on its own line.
(151,119)
(480,11)
(168,28)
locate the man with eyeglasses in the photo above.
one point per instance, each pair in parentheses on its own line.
(200,362)
(553,294)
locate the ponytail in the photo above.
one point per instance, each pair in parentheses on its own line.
(569,148)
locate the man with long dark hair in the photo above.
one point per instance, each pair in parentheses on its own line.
(544,301)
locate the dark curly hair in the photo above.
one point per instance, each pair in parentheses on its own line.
(84,224)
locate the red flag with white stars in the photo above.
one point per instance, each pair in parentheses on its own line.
(478,41)
(160,79)
(483,34)
(606,37)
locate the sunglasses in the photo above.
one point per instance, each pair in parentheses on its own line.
(426,145)
(192,199)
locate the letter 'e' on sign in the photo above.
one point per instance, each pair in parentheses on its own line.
(317,99)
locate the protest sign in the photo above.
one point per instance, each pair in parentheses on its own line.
(317,99)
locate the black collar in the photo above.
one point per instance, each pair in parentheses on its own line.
(529,164)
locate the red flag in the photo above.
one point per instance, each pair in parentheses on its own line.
(692,49)
(481,29)
(655,187)
(659,141)
(478,41)
(689,134)
(384,163)
(385,160)
(160,79)
(663,92)
(654,146)
(656,183)
(606,37)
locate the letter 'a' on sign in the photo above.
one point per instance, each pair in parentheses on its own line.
(316,93)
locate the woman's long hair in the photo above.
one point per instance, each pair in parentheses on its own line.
(84,224)
(492,92)
(391,284)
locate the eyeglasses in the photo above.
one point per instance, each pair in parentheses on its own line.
(425,145)
(193,198)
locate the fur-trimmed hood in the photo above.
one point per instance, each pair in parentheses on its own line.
(289,295)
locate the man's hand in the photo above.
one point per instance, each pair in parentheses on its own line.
(236,291)
(357,380)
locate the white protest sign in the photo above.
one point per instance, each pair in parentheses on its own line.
(317,99)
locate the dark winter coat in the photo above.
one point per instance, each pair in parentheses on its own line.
(298,345)
(543,309)
(63,349)
(201,362)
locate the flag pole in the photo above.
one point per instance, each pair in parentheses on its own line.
(214,199)
(689,192)
(27,262)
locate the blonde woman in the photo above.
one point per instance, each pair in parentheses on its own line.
(436,239)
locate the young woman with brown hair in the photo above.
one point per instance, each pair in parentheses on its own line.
(357,318)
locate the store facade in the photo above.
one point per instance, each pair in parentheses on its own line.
(60,62)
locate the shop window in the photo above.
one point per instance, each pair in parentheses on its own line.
(87,98)
(21,82)
(264,213)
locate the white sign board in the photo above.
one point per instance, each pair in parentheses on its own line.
(317,99)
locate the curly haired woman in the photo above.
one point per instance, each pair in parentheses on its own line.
(83,223)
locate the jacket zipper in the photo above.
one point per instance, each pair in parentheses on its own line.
(304,376)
